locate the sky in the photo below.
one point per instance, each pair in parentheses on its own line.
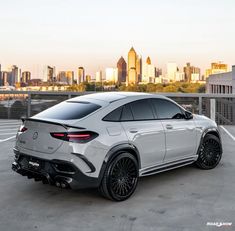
(95,33)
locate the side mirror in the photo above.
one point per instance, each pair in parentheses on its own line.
(188,115)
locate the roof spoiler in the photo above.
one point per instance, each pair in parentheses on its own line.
(66,126)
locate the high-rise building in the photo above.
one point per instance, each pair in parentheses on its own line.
(216,68)
(121,66)
(26,77)
(191,73)
(1,82)
(171,70)
(148,72)
(5,78)
(111,75)
(139,68)
(14,74)
(132,67)
(48,74)
(70,77)
(81,75)
(61,77)
(98,76)
(179,76)
(88,78)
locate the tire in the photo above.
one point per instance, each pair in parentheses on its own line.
(210,152)
(120,177)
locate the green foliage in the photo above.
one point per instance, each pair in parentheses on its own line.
(169,87)
(183,87)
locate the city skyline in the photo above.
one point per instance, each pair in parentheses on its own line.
(71,33)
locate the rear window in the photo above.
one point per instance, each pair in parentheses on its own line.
(69,110)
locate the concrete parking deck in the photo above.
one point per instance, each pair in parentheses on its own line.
(178,200)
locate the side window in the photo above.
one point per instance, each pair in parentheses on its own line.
(142,110)
(126,113)
(114,116)
(165,109)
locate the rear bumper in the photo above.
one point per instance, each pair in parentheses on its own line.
(55,172)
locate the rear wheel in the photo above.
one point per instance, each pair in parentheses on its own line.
(210,152)
(120,177)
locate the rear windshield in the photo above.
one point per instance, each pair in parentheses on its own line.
(68,110)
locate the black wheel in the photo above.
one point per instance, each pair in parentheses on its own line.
(120,177)
(210,152)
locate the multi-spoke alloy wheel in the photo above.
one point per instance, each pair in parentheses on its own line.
(210,152)
(120,178)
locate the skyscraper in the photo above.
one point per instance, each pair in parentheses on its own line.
(48,74)
(216,68)
(81,75)
(191,72)
(121,66)
(26,76)
(14,75)
(132,64)
(1,80)
(98,76)
(111,75)
(148,72)
(139,68)
(70,77)
(171,71)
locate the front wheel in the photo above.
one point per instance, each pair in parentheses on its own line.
(120,177)
(210,152)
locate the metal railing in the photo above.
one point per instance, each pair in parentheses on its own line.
(17,104)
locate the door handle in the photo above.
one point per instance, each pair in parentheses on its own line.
(169,126)
(133,130)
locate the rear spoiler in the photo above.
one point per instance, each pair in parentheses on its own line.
(66,126)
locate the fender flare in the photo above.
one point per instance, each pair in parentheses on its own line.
(115,151)
(205,132)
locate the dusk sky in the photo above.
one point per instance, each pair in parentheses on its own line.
(94,34)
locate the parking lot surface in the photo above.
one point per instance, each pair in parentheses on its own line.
(179,200)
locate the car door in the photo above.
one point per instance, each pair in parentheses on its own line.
(180,132)
(144,131)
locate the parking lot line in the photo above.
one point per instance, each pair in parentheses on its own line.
(10,129)
(228,133)
(9,138)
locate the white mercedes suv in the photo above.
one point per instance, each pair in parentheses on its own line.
(109,140)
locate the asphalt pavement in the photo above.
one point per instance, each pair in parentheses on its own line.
(184,199)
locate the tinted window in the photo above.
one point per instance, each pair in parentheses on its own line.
(141,110)
(126,113)
(68,110)
(165,109)
(114,115)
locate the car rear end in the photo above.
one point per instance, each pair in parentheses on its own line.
(51,146)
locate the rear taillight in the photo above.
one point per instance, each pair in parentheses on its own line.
(76,137)
(23,128)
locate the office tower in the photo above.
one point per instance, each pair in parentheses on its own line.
(158,72)
(48,74)
(148,72)
(13,75)
(216,68)
(88,78)
(191,73)
(26,77)
(111,75)
(121,66)
(61,77)
(179,76)
(171,70)
(1,80)
(81,75)
(5,78)
(139,68)
(70,77)
(98,76)
(132,72)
